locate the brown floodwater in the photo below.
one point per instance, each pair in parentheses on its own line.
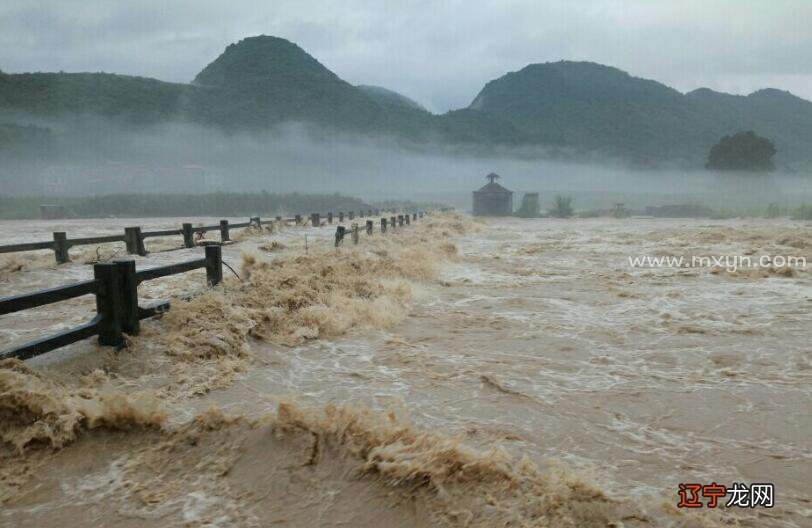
(499,373)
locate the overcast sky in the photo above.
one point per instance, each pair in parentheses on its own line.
(438,52)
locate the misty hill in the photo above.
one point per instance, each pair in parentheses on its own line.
(577,108)
(265,80)
(262,81)
(591,107)
(135,99)
(386,97)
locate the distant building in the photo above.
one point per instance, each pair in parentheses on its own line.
(493,199)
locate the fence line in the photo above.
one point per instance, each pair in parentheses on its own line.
(115,286)
(133,237)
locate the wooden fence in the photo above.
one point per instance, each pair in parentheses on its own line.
(115,284)
(133,237)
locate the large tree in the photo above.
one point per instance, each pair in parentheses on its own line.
(743,151)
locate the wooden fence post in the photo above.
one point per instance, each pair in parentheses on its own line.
(109,304)
(393,221)
(224,231)
(188,236)
(341,216)
(297,219)
(383,225)
(355,234)
(400,220)
(414,216)
(340,231)
(61,247)
(370,227)
(351,215)
(315,219)
(214,265)
(130,322)
(134,241)
(330,217)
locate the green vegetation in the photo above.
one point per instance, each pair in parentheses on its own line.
(743,151)
(804,212)
(389,98)
(134,99)
(562,207)
(213,204)
(529,207)
(594,108)
(775,211)
(570,108)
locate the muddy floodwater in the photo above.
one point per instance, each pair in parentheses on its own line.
(455,372)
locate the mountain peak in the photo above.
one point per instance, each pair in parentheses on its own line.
(543,83)
(389,97)
(262,58)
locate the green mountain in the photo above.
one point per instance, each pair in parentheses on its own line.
(576,108)
(594,108)
(265,80)
(389,98)
(54,95)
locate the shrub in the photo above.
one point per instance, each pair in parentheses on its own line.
(562,207)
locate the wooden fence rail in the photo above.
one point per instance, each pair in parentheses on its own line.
(369,226)
(115,285)
(134,236)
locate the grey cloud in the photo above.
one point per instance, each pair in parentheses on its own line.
(439,53)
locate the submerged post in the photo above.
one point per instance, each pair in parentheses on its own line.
(134,241)
(130,322)
(315,220)
(355,234)
(109,304)
(400,220)
(383,225)
(370,227)
(188,236)
(341,216)
(224,231)
(214,265)
(351,215)
(393,221)
(61,247)
(414,216)
(340,231)
(330,217)
(297,219)
(408,219)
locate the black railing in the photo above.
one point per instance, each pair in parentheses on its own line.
(115,285)
(391,223)
(134,236)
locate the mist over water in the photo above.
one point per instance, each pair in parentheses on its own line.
(96,156)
